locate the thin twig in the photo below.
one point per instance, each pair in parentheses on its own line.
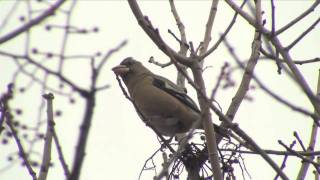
(32,22)
(300,17)
(273,19)
(154,34)
(65,36)
(145,163)
(22,152)
(299,62)
(290,46)
(316,165)
(295,134)
(207,35)
(220,77)
(275,152)
(298,77)
(81,91)
(111,52)
(283,165)
(177,39)
(224,34)
(162,65)
(268,91)
(60,154)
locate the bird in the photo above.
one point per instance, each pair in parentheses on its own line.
(165,105)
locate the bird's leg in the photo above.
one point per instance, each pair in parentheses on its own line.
(179,137)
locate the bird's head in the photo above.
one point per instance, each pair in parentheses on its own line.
(130,69)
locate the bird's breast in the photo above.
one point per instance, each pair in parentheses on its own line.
(164,111)
(153,101)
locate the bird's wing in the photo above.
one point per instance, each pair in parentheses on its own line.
(174,90)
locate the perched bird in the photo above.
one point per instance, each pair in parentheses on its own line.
(165,105)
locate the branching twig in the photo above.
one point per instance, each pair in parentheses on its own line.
(207,34)
(109,53)
(273,19)
(272,94)
(217,85)
(299,62)
(65,36)
(153,33)
(241,133)
(162,65)
(300,17)
(145,163)
(295,134)
(283,165)
(298,77)
(275,152)
(74,86)
(224,34)
(60,154)
(316,165)
(183,42)
(248,71)
(302,35)
(32,22)
(313,139)
(22,152)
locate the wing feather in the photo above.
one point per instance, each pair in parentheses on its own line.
(175,90)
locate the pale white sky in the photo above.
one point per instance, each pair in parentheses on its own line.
(119,142)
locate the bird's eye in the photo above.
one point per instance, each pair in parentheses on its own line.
(128,62)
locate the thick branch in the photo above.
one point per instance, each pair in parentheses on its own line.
(284,53)
(46,156)
(207,123)
(207,35)
(313,139)
(247,75)
(83,138)
(247,138)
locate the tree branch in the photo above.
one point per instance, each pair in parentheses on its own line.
(300,17)
(154,34)
(298,77)
(32,22)
(313,139)
(249,69)
(46,155)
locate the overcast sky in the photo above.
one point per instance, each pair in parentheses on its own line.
(119,142)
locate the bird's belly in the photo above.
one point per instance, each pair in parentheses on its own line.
(167,126)
(163,111)
(155,102)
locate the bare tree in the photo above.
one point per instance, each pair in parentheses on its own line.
(32,63)
(265,41)
(201,155)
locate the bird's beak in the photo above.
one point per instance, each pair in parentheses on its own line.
(120,70)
